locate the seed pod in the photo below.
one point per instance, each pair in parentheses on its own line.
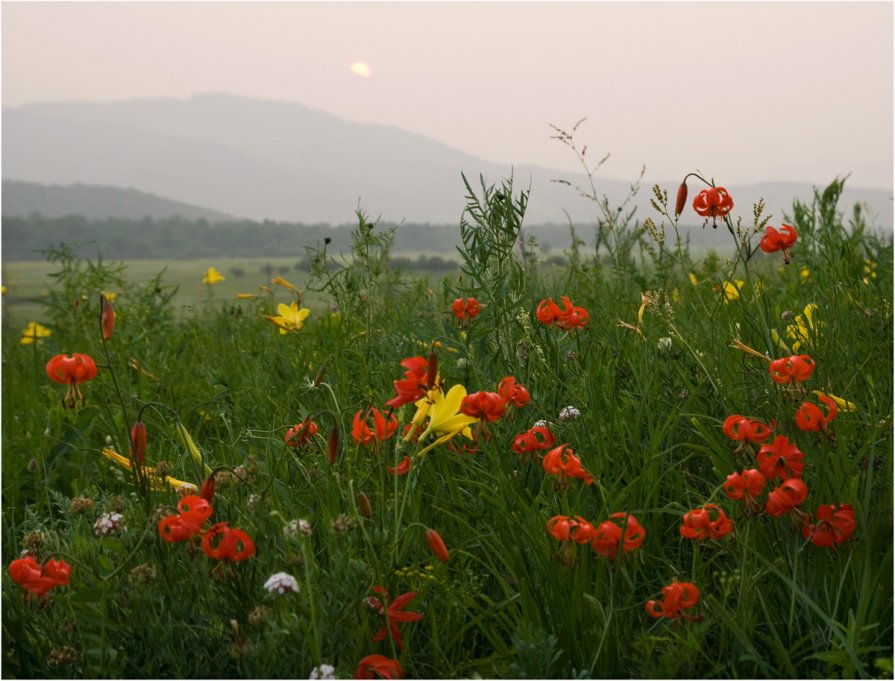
(363,504)
(106,317)
(319,377)
(436,543)
(681,199)
(433,370)
(332,445)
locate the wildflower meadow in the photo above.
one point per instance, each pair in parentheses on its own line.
(645,463)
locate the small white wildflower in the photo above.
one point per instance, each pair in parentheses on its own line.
(569,413)
(324,671)
(664,344)
(253,500)
(108,524)
(108,440)
(297,527)
(540,424)
(461,364)
(281,583)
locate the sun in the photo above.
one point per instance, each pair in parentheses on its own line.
(361,69)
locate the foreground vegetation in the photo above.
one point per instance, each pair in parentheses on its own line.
(506,548)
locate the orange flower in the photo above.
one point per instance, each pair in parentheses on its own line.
(746,485)
(382,430)
(483,405)
(681,199)
(378,667)
(795,368)
(301,433)
(233,545)
(810,417)
(740,428)
(436,543)
(562,461)
(713,203)
(393,614)
(38,579)
(608,535)
(193,511)
(698,524)
(774,241)
(834,525)
(568,318)
(780,459)
(533,439)
(512,392)
(402,468)
(413,386)
(786,497)
(466,309)
(676,596)
(577,529)
(74,370)
(138,442)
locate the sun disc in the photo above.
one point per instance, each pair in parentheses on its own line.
(361,69)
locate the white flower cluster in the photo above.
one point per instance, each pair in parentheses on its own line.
(294,528)
(569,413)
(281,583)
(108,524)
(324,671)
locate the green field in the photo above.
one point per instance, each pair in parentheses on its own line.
(593,523)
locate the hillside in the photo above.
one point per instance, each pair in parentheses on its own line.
(96,202)
(286,162)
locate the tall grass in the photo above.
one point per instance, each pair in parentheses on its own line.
(512,601)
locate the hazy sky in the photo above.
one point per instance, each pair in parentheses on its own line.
(741,91)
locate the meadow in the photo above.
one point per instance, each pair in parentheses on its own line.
(642,464)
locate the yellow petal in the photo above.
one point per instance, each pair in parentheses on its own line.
(843,404)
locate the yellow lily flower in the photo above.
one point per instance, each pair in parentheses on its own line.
(279,281)
(843,404)
(804,329)
(779,341)
(869,271)
(34,332)
(731,289)
(805,273)
(445,419)
(155,480)
(693,279)
(212,276)
(245,296)
(110,295)
(291,317)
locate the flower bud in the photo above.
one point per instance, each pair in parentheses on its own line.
(319,377)
(436,543)
(681,199)
(432,373)
(106,317)
(138,441)
(364,506)
(332,445)
(208,486)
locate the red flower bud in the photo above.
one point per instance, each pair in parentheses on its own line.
(681,199)
(106,317)
(138,442)
(332,445)
(208,486)
(432,372)
(436,543)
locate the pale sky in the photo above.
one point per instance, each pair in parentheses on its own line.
(744,92)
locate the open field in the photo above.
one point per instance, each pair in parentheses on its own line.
(642,465)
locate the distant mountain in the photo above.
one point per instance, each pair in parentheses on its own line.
(284,161)
(96,202)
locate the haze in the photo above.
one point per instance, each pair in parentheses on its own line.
(745,92)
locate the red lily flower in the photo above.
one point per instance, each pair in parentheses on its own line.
(795,368)
(810,417)
(466,309)
(698,524)
(548,312)
(414,384)
(577,529)
(378,667)
(562,461)
(301,433)
(774,241)
(786,497)
(572,317)
(713,203)
(395,612)
(436,543)
(73,370)
(402,468)
(608,535)
(740,428)
(382,430)
(233,545)
(746,485)
(192,512)
(676,596)
(780,459)
(484,406)
(533,439)
(513,393)
(38,579)
(835,524)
